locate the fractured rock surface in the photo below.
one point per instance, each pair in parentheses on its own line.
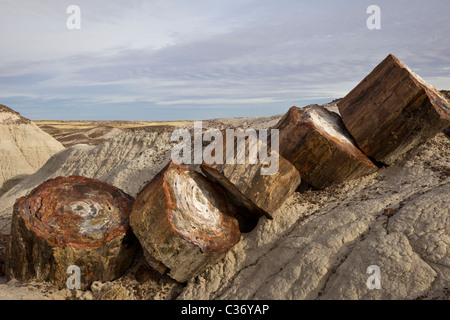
(414,246)
(392,111)
(183,222)
(316,142)
(247,179)
(71,221)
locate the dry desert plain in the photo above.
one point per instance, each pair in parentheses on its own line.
(72,132)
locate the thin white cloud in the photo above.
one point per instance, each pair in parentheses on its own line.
(218,101)
(172,54)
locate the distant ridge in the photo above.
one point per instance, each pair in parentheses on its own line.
(9,116)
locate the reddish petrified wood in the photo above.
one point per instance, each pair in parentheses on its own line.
(71,221)
(316,142)
(259,191)
(446,94)
(392,111)
(3,246)
(183,222)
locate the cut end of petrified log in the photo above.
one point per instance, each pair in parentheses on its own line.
(75,211)
(67,222)
(196,213)
(330,126)
(184,222)
(317,143)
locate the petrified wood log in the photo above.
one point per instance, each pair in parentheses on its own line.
(3,246)
(446,94)
(316,142)
(392,111)
(184,222)
(71,221)
(447,131)
(259,191)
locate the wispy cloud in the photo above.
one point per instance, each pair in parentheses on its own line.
(145,59)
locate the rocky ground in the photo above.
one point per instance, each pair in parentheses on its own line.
(319,245)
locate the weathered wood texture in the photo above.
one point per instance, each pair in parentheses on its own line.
(71,221)
(184,222)
(446,94)
(3,246)
(447,131)
(260,184)
(316,142)
(392,111)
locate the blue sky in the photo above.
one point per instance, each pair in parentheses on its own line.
(201,59)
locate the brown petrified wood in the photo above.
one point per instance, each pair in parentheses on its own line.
(71,221)
(446,94)
(3,246)
(392,111)
(447,131)
(184,222)
(316,142)
(259,191)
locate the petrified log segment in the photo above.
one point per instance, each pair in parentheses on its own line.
(446,94)
(257,190)
(183,221)
(447,131)
(71,221)
(3,246)
(316,142)
(392,111)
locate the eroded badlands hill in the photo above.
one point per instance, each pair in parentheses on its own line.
(24,148)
